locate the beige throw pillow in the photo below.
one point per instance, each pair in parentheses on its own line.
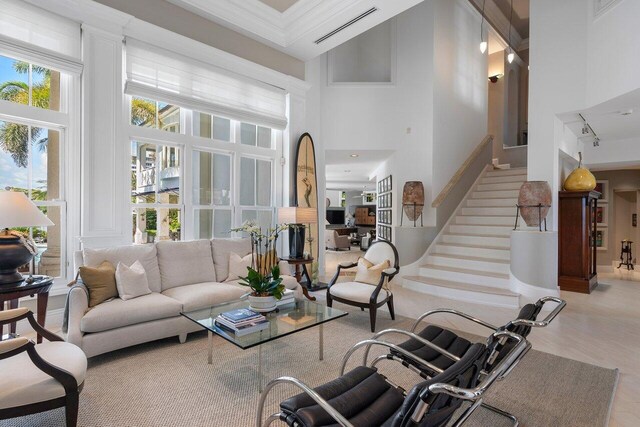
(238,266)
(132,281)
(369,273)
(100,281)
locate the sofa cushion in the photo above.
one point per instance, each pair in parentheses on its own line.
(118,313)
(238,266)
(131,281)
(24,384)
(185,263)
(146,254)
(221,250)
(202,295)
(100,282)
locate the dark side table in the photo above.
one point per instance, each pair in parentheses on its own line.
(30,286)
(300,265)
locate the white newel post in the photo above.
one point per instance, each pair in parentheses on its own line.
(105,177)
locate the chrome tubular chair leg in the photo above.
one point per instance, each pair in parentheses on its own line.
(466,414)
(514,420)
(272,418)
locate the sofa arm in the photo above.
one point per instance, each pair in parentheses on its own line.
(78,306)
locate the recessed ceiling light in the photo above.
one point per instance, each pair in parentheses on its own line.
(347,170)
(354,155)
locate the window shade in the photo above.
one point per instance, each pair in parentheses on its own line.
(39,36)
(165,76)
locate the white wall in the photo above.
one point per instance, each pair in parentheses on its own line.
(613,61)
(433,116)
(557,82)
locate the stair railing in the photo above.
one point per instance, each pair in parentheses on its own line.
(460,172)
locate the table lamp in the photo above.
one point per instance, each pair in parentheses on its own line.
(16,210)
(296,218)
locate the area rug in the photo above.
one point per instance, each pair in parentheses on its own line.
(165,383)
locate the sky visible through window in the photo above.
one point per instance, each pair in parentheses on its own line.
(11,173)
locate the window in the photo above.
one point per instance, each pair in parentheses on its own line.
(212,177)
(31,156)
(154,114)
(155,192)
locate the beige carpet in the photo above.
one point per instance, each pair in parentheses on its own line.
(170,384)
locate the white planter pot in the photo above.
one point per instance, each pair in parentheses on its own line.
(262,304)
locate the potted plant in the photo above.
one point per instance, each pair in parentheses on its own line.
(263,277)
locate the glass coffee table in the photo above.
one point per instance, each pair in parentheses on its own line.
(287,320)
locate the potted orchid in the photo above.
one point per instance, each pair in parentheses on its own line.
(263,277)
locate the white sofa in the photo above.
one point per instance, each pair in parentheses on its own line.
(183,276)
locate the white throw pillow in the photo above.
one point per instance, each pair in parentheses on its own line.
(131,281)
(238,266)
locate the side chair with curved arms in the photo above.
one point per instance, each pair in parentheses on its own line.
(364,295)
(37,378)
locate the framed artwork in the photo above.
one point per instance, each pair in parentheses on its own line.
(634,220)
(602,187)
(384,233)
(601,239)
(602,215)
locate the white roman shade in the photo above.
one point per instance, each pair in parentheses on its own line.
(162,75)
(38,36)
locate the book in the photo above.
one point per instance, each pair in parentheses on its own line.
(241,315)
(243,330)
(241,325)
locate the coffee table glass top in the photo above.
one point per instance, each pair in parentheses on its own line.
(290,318)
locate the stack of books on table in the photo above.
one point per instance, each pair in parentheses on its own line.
(241,322)
(287,298)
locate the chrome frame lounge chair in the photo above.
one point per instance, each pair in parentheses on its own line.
(363,397)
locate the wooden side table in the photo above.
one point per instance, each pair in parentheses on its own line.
(300,265)
(30,286)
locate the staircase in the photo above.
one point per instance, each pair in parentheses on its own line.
(470,259)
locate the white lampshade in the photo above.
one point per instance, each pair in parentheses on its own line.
(16,210)
(296,215)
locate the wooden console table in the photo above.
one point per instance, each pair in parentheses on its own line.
(30,286)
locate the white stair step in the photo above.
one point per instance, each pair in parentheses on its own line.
(480,240)
(463,291)
(490,211)
(508,178)
(499,186)
(507,172)
(499,202)
(491,230)
(495,194)
(464,275)
(481,251)
(485,220)
(488,265)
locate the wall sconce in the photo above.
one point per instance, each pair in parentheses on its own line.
(495,77)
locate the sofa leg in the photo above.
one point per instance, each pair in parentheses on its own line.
(182,338)
(71,409)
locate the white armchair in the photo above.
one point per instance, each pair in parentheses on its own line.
(364,295)
(37,378)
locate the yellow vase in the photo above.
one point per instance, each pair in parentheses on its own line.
(581,179)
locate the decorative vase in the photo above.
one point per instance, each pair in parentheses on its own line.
(532,194)
(413,199)
(262,304)
(580,179)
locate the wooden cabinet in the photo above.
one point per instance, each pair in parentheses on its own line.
(576,241)
(365,216)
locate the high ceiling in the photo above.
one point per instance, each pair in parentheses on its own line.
(344,172)
(280,5)
(520,20)
(295,27)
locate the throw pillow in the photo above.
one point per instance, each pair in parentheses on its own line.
(369,273)
(100,281)
(238,266)
(132,281)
